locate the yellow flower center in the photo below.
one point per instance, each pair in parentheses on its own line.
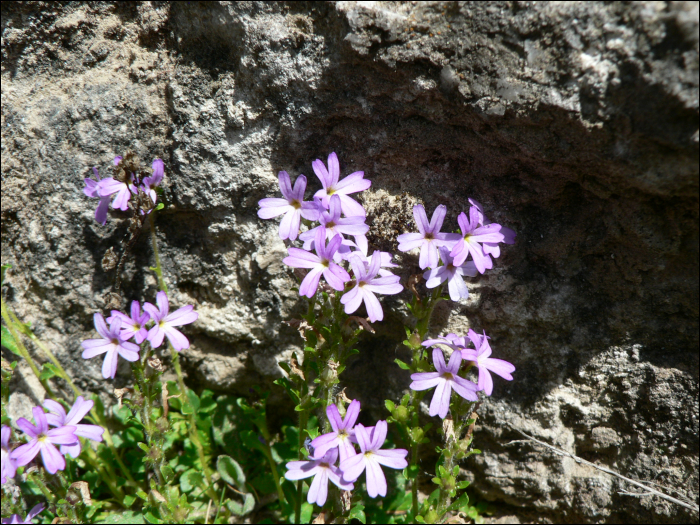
(448,376)
(295,204)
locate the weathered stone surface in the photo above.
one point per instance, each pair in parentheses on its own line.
(576,124)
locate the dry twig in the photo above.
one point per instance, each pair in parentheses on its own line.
(649,491)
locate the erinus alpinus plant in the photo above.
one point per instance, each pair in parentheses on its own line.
(162,453)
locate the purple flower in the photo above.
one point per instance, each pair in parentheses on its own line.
(8,465)
(293,206)
(332,224)
(321,263)
(43,440)
(452,274)
(371,457)
(366,285)
(92,190)
(342,431)
(165,323)
(384,258)
(480,355)
(429,238)
(112,343)
(445,379)
(452,340)
(153,181)
(17,519)
(323,469)
(351,184)
(134,326)
(508,235)
(58,418)
(473,235)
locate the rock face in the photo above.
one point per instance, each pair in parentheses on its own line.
(575,124)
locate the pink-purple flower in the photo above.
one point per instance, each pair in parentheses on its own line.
(429,238)
(323,469)
(112,344)
(57,417)
(319,264)
(16,519)
(367,284)
(91,189)
(332,224)
(371,458)
(342,432)
(481,356)
(110,186)
(44,441)
(452,274)
(444,380)
(472,237)
(331,186)
(134,326)
(151,182)
(165,322)
(292,206)
(493,249)
(8,464)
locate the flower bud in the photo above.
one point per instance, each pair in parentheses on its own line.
(431,516)
(401,414)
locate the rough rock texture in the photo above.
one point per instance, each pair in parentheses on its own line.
(576,124)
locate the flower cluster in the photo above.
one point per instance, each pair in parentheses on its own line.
(119,189)
(115,338)
(326,449)
(479,238)
(339,238)
(65,433)
(446,378)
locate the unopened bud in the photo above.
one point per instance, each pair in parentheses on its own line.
(431,516)
(401,414)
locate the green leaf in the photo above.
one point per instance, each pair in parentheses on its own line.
(390,406)
(5,267)
(143,447)
(249,504)
(128,500)
(159,206)
(462,504)
(151,518)
(9,342)
(125,517)
(437,481)
(193,405)
(141,494)
(401,364)
(357,512)
(48,371)
(230,471)
(307,510)
(168,473)
(455,470)
(191,480)
(234,507)
(462,485)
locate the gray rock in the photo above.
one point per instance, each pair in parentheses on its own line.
(575,124)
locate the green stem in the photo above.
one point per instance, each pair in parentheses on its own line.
(37,479)
(12,321)
(194,436)
(303,422)
(50,355)
(23,349)
(107,477)
(158,269)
